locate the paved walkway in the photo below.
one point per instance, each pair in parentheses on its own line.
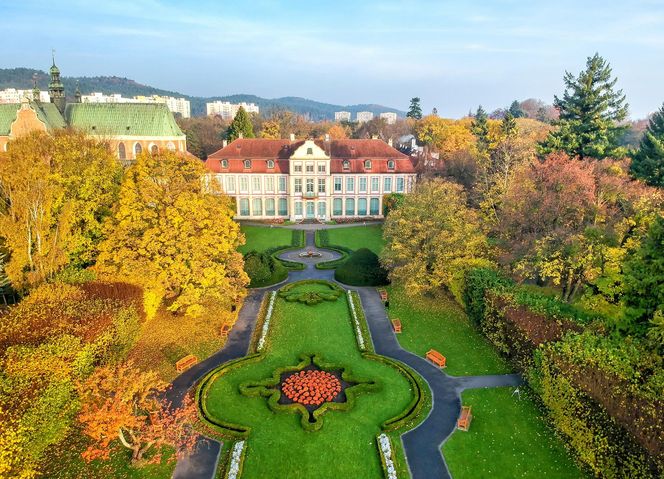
(421,445)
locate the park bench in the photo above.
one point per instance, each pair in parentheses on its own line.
(396,325)
(436,358)
(383,295)
(225,329)
(185,363)
(463,422)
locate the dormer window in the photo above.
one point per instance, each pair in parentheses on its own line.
(310,151)
(224,163)
(390,164)
(247,164)
(270,164)
(346,165)
(367,164)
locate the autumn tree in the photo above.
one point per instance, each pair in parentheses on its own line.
(241,126)
(338,132)
(432,238)
(648,160)
(174,234)
(122,406)
(591,111)
(56,190)
(204,134)
(414,110)
(270,130)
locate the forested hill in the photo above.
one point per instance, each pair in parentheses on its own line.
(22,78)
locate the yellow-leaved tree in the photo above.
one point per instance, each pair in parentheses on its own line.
(174,234)
(432,238)
(55,191)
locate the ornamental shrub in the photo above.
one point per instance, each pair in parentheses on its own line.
(263,269)
(362,268)
(477,282)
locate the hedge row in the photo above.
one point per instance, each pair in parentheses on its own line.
(364,328)
(322,240)
(601,394)
(297,242)
(362,268)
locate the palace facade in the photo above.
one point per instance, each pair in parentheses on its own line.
(128,128)
(310,179)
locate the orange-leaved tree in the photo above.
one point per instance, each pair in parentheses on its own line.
(123,405)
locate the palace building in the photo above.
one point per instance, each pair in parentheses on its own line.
(129,128)
(310,179)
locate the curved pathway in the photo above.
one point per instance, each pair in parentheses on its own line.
(421,445)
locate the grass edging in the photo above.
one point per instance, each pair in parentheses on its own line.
(297,242)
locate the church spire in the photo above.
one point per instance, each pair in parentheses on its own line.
(77,93)
(56,89)
(35,88)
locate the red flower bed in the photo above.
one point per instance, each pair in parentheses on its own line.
(311,387)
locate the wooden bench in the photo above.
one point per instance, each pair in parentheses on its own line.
(396,325)
(383,295)
(225,329)
(436,358)
(463,422)
(186,363)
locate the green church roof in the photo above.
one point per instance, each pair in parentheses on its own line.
(46,112)
(123,119)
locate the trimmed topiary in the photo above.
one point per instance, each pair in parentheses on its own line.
(362,268)
(263,269)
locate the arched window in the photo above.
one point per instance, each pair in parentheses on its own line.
(350,207)
(170,145)
(270,164)
(367,164)
(224,163)
(122,154)
(154,149)
(138,149)
(346,165)
(390,164)
(247,164)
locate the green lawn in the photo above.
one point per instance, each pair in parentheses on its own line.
(260,238)
(356,237)
(507,439)
(278,446)
(441,324)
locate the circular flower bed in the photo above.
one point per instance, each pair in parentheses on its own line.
(311,387)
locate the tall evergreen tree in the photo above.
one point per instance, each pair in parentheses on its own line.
(480,128)
(415,110)
(648,161)
(515,110)
(590,113)
(508,126)
(240,126)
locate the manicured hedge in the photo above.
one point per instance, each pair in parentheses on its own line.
(263,269)
(362,268)
(322,240)
(297,242)
(603,395)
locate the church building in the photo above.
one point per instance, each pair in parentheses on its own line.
(310,179)
(128,128)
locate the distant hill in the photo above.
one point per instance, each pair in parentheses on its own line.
(21,78)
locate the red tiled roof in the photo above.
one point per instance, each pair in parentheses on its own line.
(259,151)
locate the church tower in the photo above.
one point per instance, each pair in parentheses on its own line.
(56,89)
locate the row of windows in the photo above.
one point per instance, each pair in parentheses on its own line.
(138,149)
(311,185)
(363,207)
(309,167)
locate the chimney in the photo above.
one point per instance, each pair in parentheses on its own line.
(241,135)
(224,143)
(413,143)
(389,141)
(374,137)
(292,137)
(327,137)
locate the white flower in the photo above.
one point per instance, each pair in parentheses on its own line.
(386,451)
(266,323)
(236,454)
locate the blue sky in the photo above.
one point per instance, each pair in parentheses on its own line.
(453,54)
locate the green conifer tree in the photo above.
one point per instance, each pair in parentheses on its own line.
(515,110)
(591,111)
(480,128)
(415,110)
(648,160)
(240,126)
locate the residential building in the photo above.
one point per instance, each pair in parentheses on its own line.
(310,179)
(390,117)
(176,105)
(129,128)
(11,95)
(363,116)
(342,116)
(228,110)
